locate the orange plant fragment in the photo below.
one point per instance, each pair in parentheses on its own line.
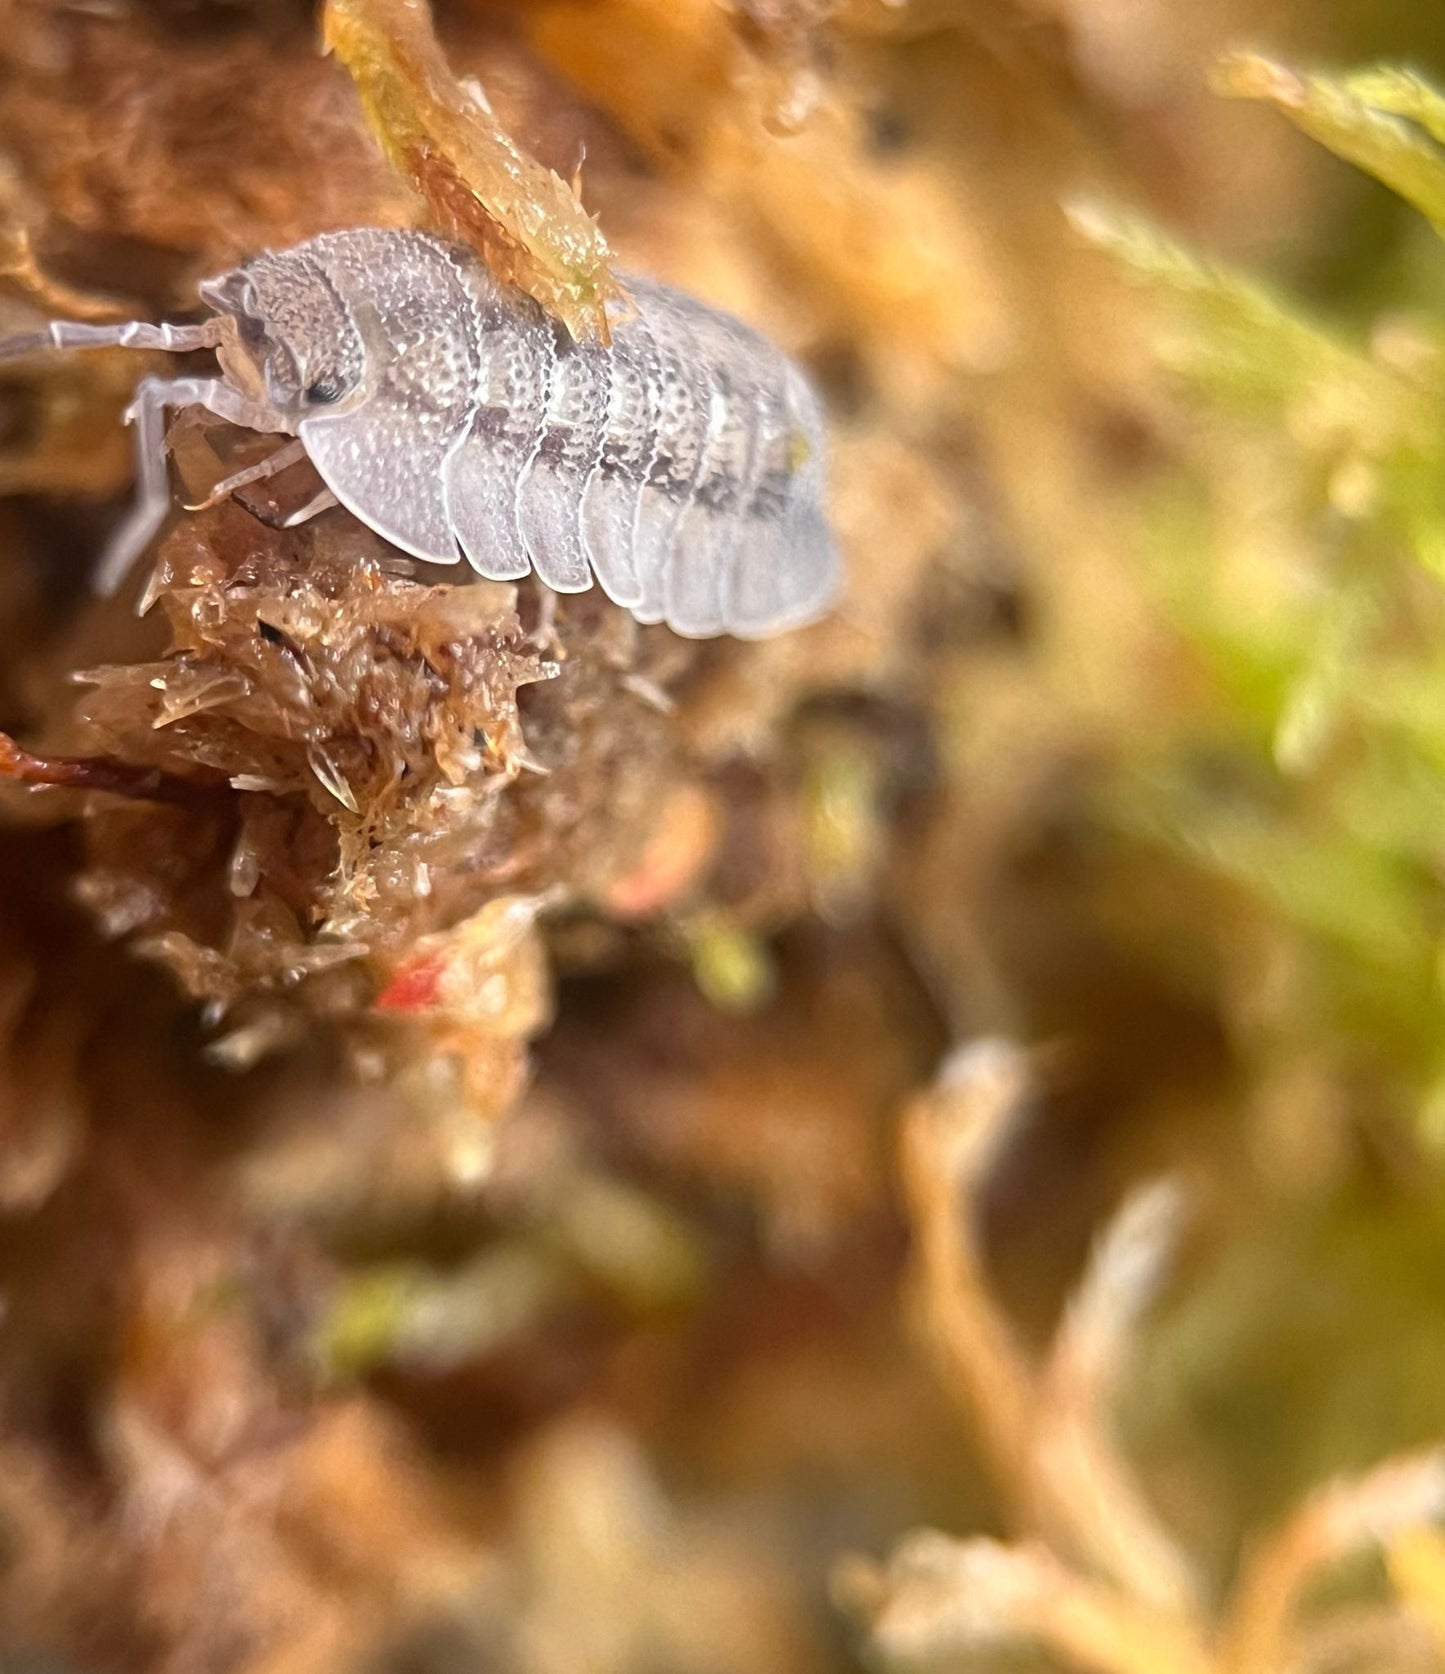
(524,220)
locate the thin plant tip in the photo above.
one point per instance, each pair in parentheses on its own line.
(102,773)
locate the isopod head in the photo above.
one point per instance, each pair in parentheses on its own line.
(295,347)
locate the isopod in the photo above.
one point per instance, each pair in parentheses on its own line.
(682,465)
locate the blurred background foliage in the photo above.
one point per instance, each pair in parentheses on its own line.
(761,1261)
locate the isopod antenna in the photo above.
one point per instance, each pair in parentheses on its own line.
(131,334)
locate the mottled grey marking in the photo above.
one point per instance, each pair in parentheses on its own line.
(682,465)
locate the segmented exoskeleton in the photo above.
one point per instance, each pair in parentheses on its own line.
(682,464)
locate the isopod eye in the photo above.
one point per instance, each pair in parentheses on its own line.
(328,387)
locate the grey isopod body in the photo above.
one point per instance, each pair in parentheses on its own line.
(682,465)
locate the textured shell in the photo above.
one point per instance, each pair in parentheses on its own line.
(682,465)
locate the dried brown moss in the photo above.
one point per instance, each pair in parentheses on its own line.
(347,773)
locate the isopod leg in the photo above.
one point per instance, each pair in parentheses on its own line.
(322,500)
(153,397)
(291,453)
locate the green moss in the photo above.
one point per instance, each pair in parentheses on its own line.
(1300,560)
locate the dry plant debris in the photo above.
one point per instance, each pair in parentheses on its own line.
(1095,1577)
(524,220)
